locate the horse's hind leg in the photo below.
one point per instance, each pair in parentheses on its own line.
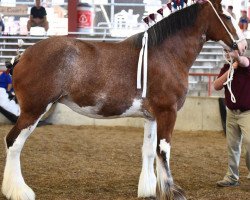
(166,189)
(14,186)
(147,181)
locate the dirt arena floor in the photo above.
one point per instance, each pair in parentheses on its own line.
(103,163)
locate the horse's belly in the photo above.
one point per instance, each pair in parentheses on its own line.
(94,111)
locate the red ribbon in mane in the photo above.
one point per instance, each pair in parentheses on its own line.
(169,5)
(160,11)
(152,16)
(146,20)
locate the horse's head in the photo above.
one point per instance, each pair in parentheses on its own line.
(224,28)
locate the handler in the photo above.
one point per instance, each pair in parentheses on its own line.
(8,105)
(238,116)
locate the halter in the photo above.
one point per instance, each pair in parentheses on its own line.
(235,42)
(230,75)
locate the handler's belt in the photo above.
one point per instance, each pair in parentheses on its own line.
(238,111)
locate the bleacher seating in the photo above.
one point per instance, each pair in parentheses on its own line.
(209,61)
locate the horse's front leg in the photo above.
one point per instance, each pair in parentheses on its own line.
(147,181)
(166,189)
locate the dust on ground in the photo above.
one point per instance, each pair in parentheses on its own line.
(104,163)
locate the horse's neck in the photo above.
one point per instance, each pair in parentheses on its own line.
(184,46)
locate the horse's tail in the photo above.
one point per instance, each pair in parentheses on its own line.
(177,193)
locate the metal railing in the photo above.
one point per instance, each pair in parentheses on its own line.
(205,86)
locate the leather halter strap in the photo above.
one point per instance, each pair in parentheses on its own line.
(235,42)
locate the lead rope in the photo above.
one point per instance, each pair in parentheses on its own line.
(143,66)
(230,77)
(231,73)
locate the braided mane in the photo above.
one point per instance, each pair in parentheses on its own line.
(170,25)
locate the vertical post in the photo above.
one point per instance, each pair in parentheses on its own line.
(209,85)
(112,12)
(72,15)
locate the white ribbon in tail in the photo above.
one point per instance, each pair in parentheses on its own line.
(143,56)
(230,77)
(20,43)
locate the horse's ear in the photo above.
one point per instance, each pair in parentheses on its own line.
(201,1)
(217,4)
(213,1)
(216,1)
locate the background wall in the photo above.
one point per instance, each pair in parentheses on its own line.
(198,113)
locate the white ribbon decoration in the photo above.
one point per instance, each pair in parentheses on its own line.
(20,43)
(12,60)
(143,66)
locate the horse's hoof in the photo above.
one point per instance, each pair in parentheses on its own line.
(23,192)
(147,186)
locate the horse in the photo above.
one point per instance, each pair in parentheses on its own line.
(98,79)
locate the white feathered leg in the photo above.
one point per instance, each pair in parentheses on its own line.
(147,181)
(14,186)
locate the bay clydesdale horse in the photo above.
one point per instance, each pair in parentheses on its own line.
(98,79)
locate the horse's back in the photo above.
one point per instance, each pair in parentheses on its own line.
(96,76)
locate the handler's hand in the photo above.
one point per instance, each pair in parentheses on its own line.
(241,61)
(234,54)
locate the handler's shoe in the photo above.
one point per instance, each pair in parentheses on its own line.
(226,183)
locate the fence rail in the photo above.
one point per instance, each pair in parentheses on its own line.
(211,77)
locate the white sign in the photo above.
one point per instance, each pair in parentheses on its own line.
(12,11)
(57,2)
(98,2)
(101,1)
(9,3)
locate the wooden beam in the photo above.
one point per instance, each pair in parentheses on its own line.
(72,15)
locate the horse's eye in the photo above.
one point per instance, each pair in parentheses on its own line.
(228,17)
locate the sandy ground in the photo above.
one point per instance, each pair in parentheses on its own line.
(103,163)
